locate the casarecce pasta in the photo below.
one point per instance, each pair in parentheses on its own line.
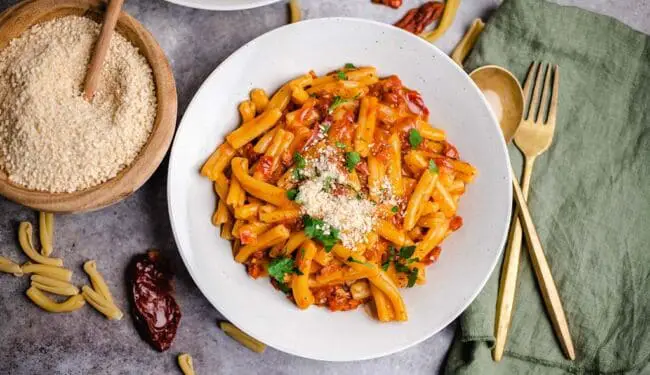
(339,189)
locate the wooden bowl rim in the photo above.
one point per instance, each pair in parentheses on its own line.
(152,153)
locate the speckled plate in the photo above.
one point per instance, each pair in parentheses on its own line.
(456,105)
(223,4)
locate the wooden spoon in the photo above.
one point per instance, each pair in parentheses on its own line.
(503,92)
(101,48)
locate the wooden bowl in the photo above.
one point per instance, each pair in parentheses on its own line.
(17,19)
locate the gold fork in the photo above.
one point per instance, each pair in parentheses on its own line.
(533,138)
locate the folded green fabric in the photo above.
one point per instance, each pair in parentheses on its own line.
(590,198)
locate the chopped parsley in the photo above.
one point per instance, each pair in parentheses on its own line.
(291,194)
(414,138)
(352,158)
(299,160)
(413,277)
(401,264)
(394,209)
(319,230)
(433,167)
(350,66)
(406,252)
(280,267)
(337,102)
(340,145)
(400,267)
(341,75)
(299,163)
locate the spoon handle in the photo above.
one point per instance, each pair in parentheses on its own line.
(101,48)
(543,273)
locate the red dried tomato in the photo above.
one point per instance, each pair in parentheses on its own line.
(417,19)
(265,166)
(455,223)
(391,3)
(155,311)
(246,236)
(416,104)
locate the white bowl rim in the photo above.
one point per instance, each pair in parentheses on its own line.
(198,4)
(279,346)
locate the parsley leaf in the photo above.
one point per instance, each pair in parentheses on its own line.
(385,265)
(317,229)
(433,167)
(394,209)
(299,160)
(406,252)
(401,268)
(299,163)
(291,194)
(337,102)
(341,75)
(413,260)
(352,158)
(280,267)
(413,277)
(340,145)
(414,138)
(297,271)
(350,66)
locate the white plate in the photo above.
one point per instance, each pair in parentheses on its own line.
(223,4)
(456,105)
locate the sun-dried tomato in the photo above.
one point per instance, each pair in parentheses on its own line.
(265,166)
(455,223)
(155,311)
(432,256)
(416,104)
(247,236)
(391,3)
(449,150)
(417,19)
(335,297)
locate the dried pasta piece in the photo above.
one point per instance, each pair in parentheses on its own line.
(27,244)
(53,272)
(48,284)
(241,337)
(467,43)
(46,232)
(8,266)
(97,281)
(44,302)
(294,9)
(185,363)
(101,304)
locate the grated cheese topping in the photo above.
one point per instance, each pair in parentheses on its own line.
(328,196)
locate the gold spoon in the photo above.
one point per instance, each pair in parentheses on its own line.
(503,92)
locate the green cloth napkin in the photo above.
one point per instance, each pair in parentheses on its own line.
(590,198)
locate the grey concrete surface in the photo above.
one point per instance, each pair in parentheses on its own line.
(34,342)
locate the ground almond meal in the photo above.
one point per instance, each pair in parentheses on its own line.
(51,139)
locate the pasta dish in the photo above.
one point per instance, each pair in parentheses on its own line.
(338,189)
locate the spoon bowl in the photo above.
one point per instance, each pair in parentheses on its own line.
(503,92)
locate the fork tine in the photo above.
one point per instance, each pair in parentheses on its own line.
(552,110)
(529,81)
(534,100)
(544,103)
